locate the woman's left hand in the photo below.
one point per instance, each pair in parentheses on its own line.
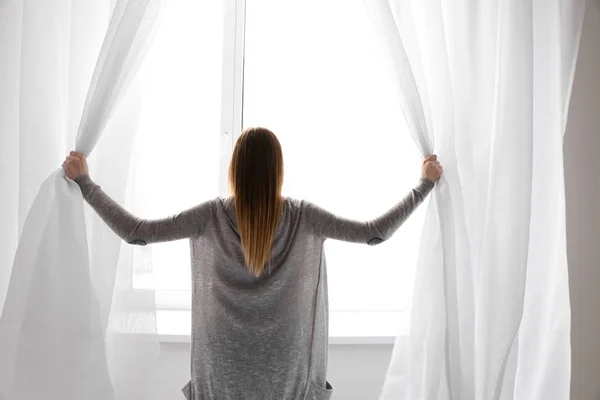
(75,165)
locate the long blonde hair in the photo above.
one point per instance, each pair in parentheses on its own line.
(255,181)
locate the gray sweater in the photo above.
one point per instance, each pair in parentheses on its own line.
(254,338)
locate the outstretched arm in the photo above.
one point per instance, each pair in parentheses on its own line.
(328,225)
(130,228)
(134,230)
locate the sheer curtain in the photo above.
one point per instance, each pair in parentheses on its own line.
(486,84)
(72,327)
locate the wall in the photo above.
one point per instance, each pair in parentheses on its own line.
(582,169)
(358,371)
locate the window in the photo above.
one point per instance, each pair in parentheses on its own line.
(312,73)
(179,133)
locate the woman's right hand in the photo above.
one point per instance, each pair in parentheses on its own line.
(432,169)
(75,165)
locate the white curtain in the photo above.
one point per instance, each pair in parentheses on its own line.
(72,327)
(486,85)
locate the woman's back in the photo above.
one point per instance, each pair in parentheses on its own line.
(258,337)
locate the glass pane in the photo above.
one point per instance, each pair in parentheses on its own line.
(314,74)
(176,155)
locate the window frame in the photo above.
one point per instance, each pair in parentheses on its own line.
(232,84)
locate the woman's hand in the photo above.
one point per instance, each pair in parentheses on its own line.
(432,169)
(75,165)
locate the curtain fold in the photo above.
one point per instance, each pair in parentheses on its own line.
(487,84)
(71,327)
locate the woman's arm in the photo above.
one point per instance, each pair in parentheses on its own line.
(134,230)
(329,225)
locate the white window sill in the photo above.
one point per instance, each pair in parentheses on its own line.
(345,327)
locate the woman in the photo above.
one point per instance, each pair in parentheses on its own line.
(259,304)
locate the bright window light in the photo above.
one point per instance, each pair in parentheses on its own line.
(177,151)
